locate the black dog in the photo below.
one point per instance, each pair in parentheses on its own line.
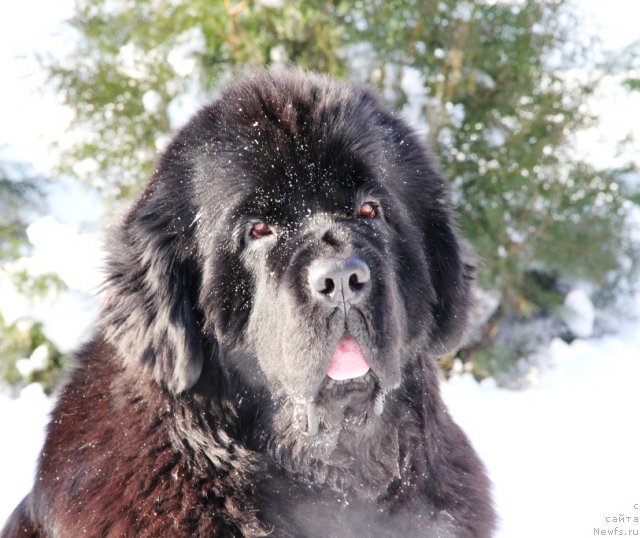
(264,361)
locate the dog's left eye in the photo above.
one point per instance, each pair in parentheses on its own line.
(260,230)
(369,210)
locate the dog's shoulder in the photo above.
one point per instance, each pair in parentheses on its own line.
(122,458)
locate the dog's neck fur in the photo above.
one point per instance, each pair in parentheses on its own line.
(359,456)
(354,453)
(305,485)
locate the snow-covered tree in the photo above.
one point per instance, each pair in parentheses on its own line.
(20,195)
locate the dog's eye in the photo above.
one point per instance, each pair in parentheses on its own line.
(260,230)
(369,210)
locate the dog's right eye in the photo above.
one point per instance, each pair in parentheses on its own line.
(369,210)
(260,230)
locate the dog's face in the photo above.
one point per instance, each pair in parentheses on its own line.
(304,229)
(314,246)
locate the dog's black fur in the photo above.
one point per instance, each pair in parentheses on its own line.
(194,410)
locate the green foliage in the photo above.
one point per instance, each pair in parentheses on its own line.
(36,286)
(19,194)
(19,341)
(495,97)
(17,191)
(133,48)
(507,362)
(629,63)
(500,119)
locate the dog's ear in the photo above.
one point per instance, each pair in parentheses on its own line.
(150,310)
(452,267)
(450,260)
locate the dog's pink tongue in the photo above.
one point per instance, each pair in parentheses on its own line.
(347,361)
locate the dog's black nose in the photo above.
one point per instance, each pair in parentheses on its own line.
(336,282)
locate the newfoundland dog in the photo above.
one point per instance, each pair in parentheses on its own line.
(264,362)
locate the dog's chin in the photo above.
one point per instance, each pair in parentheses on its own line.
(355,403)
(345,431)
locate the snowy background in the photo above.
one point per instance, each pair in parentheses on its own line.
(564,454)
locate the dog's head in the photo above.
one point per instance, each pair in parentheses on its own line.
(302,228)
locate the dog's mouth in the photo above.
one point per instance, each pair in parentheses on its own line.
(349,382)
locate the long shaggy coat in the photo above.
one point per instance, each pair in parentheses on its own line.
(293,231)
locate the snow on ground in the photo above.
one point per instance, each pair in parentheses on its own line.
(564,454)
(22,423)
